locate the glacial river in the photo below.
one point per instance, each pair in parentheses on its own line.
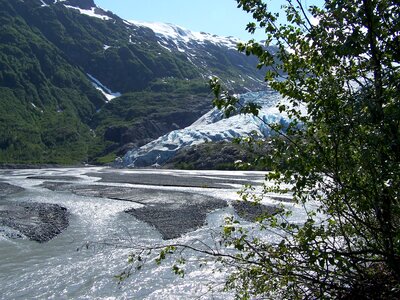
(56,270)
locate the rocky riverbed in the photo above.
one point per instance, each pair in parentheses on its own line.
(37,221)
(172,212)
(9,189)
(182,213)
(108,213)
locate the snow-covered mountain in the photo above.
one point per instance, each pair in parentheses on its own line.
(212,127)
(88,84)
(209,54)
(180,38)
(203,50)
(86,7)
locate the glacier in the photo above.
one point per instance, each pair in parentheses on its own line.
(211,127)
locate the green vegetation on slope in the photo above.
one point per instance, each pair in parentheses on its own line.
(51,113)
(45,102)
(139,117)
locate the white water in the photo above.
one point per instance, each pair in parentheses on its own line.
(56,270)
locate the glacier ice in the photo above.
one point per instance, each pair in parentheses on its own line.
(211,127)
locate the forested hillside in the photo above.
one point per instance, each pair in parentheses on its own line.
(61,62)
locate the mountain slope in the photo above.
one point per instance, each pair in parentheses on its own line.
(212,55)
(78,82)
(135,53)
(45,101)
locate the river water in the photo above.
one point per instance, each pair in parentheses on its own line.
(56,270)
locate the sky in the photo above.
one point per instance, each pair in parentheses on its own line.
(221,17)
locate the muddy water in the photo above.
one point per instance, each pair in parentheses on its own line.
(56,270)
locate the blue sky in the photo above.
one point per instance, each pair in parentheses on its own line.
(220,17)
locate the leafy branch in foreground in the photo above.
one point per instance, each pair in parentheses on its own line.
(344,159)
(339,157)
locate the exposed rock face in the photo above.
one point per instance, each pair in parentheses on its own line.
(208,156)
(150,128)
(114,133)
(39,222)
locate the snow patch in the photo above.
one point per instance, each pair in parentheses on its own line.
(43,4)
(102,88)
(164,47)
(35,107)
(90,12)
(127,22)
(178,34)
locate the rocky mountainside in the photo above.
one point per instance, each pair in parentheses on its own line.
(223,155)
(78,83)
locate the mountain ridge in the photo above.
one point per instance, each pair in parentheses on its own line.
(78,83)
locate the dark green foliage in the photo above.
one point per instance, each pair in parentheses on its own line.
(133,65)
(138,117)
(340,160)
(161,98)
(44,101)
(46,53)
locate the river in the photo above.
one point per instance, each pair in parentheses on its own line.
(56,270)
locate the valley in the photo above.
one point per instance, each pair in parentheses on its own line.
(78,84)
(107,214)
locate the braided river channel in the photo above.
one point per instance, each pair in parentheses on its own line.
(65,233)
